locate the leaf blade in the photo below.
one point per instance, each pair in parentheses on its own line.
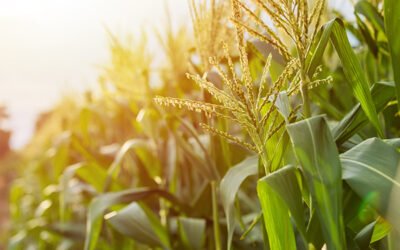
(319,160)
(372,171)
(392,23)
(284,183)
(230,185)
(354,72)
(133,222)
(276,217)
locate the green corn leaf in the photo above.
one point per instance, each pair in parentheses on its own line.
(133,221)
(284,183)
(200,164)
(335,31)
(278,146)
(326,105)
(192,131)
(363,238)
(71,230)
(314,58)
(200,204)
(392,24)
(158,227)
(282,104)
(191,232)
(365,32)
(371,13)
(381,229)
(276,217)
(354,72)
(62,151)
(103,202)
(372,170)
(319,159)
(96,176)
(229,187)
(395,142)
(382,93)
(315,235)
(114,168)
(92,174)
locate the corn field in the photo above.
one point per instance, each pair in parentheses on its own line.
(272,124)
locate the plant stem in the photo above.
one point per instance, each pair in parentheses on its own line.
(215,216)
(304,94)
(264,161)
(305,80)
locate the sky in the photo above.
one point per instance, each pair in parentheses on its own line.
(51,47)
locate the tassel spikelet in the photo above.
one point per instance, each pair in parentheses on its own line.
(239,101)
(238,88)
(229,137)
(263,79)
(316,16)
(277,128)
(197,106)
(319,82)
(271,37)
(236,104)
(296,21)
(244,63)
(210,27)
(254,33)
(318,70)
(296,88)
(233,86)
(286,74)
(218,94)
(191,104)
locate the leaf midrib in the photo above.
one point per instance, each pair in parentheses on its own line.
(371,169)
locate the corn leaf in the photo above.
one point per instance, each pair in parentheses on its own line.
(354,72)
(229,187)
(115,165)
(363,238)
(395,142)
(382,93)
(284,183)
(381,229)
(392,24)
(315,235)
(200,164)
(276,217)
(133,221)
(92,174)
(314,58)
(335,31)
(371,13)
(103,202)
(191,232)
(366,34)
(319,160)
(371,170)
(282,104)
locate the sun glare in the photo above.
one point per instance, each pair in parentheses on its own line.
(48,47)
